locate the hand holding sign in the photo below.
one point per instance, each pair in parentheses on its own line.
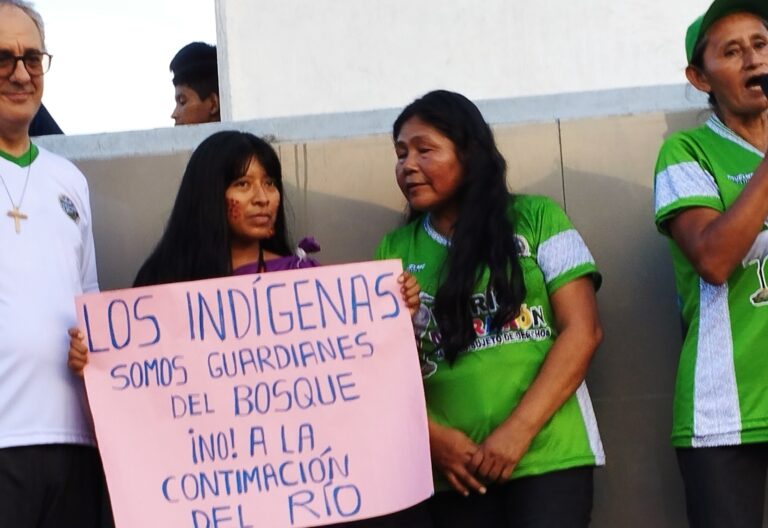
(77,357)
(282,399)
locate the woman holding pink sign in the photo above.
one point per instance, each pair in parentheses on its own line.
(229,219)
(507,326)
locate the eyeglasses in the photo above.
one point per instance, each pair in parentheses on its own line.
(36,63)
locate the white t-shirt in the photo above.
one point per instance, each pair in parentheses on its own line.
(42,269)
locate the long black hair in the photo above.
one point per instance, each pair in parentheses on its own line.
(483,235)
(196,241)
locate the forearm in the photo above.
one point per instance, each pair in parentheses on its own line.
(560,375)
(562,371)
(435,429)
(718,247)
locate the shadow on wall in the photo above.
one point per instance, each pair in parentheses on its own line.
(677,122)
(608,179)
(348,230)
(631,378)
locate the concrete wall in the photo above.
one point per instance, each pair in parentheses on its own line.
(343,192)
(607,172)
(298,57)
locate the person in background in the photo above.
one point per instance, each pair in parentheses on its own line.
(50,473)
(44,124)
(506,329)
(711,200)
(196,82)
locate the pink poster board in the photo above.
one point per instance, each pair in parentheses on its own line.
(274,400)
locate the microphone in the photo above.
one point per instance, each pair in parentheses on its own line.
(764,84)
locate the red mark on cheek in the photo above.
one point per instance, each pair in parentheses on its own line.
(234,209)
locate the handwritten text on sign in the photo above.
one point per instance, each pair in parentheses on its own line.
(282,399)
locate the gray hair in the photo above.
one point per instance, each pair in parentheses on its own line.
(30,12)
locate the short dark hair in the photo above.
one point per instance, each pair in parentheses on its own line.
(195,65)
(196,243)
(484,234)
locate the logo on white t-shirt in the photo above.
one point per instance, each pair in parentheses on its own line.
(68,206)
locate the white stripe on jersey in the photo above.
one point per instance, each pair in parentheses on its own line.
(683,180)
(561,253)
(716,411)
(719,128)
(590,423)
(433,234)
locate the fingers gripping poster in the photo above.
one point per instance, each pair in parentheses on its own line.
(272,400)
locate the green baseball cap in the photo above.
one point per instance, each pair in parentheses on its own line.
(716,11)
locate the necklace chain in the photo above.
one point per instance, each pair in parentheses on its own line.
(15,212)
(23,191)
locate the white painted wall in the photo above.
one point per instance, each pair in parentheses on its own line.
(110,59)
(298,57)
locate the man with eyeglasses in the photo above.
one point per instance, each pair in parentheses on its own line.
(50,474)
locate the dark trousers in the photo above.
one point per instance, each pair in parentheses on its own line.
(561,499)
(724,486)
(52,486)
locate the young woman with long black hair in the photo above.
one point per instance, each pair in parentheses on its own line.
(228,218)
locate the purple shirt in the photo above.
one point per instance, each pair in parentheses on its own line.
(297,261)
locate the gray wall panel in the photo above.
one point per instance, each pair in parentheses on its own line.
(608,179)
(131,199)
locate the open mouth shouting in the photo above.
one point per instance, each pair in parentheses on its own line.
(758,82)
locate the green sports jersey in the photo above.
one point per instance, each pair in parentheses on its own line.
(721,393)
(487,380)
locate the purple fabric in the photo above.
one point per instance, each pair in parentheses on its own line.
(309,244)
(301,260)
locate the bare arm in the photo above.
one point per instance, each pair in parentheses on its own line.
(715,243)
(563,370)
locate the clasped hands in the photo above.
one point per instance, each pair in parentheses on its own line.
(468,466)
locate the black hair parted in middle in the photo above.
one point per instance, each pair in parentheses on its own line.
(483,235)
(196,241)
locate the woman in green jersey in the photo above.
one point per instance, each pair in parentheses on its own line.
(711,199)
(507,327)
